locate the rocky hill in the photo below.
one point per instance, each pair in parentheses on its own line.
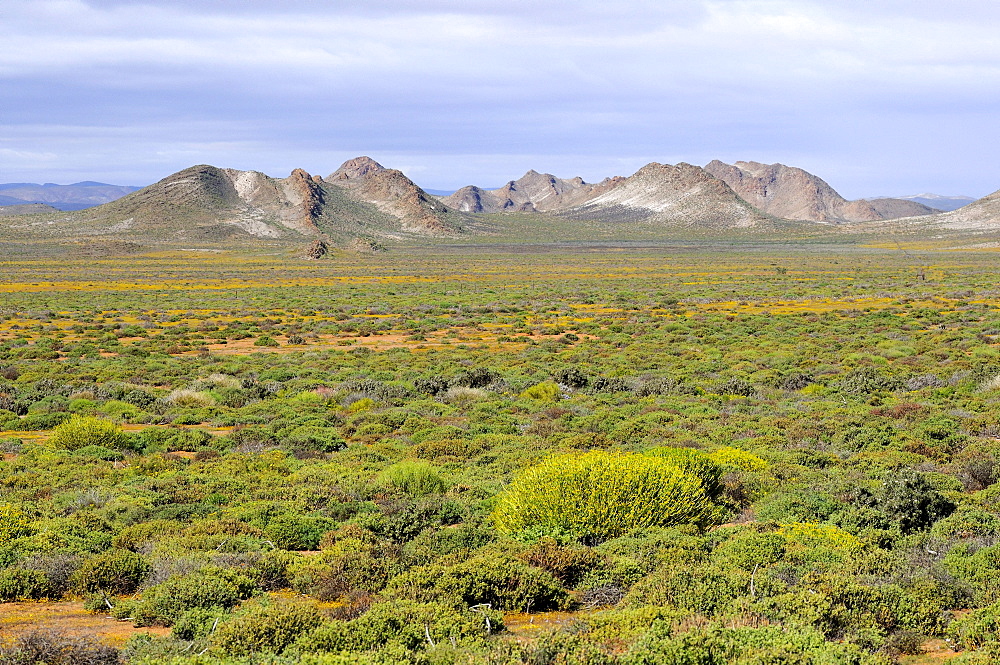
(394,194)
(679,194)
(792,193)
(360,199)
(205,202)
(532,192)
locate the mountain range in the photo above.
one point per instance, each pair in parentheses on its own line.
(363,201)
(77,196)
(936,201)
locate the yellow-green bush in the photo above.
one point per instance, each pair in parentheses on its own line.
(600,495)
(546,391)
(13,524)
(81,431)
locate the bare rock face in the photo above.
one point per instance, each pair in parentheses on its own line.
(352,169)
(393,193)
(792,193)
(474,199)
(317,250)
(305,196)
(679,194)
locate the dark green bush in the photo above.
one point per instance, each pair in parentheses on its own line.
(21,584)
(117,571)
(266,628)
(165,603)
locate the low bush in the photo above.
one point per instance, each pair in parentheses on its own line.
(266,628)
(116,571)
(600,495)
(82,431)
(21,584)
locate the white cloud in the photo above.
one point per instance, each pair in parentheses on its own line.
(431,80)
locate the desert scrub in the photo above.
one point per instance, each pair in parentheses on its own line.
(82,431)
(117,571)
(414,477)
(13,524)
(601,495)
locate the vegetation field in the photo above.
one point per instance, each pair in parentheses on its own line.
(586,454)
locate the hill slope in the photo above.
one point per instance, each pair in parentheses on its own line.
(980,215)
(394,194)
(792,193)
(679,194)
(207,203)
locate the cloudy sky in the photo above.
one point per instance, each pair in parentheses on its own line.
(878,97)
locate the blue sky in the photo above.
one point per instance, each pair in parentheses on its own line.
(877,97)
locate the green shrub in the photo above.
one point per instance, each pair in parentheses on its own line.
(13,524)
(81,431)
(298,532)
(718,645)
(977,629)
(100,453)
(546,391)
(197,623)
(415,477)
(600,495)
(165,603)
(116,571)
(405,623)
(21,584)
(695,463)
(503,582)
(266,628)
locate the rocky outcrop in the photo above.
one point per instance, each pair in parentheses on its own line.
(356,168)
(679,194)
(317,250)
(792,193)
(532,192)
(392,193)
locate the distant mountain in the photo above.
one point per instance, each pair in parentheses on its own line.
(936,201)
(792,193)
(78,196)
(679,194)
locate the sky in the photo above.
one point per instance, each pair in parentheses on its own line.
(877,97)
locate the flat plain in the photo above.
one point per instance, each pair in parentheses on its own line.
(260,456)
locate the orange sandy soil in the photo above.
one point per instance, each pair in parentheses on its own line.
(530,626)
(68,617)
(41,436)
(935,651)
(374,342)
